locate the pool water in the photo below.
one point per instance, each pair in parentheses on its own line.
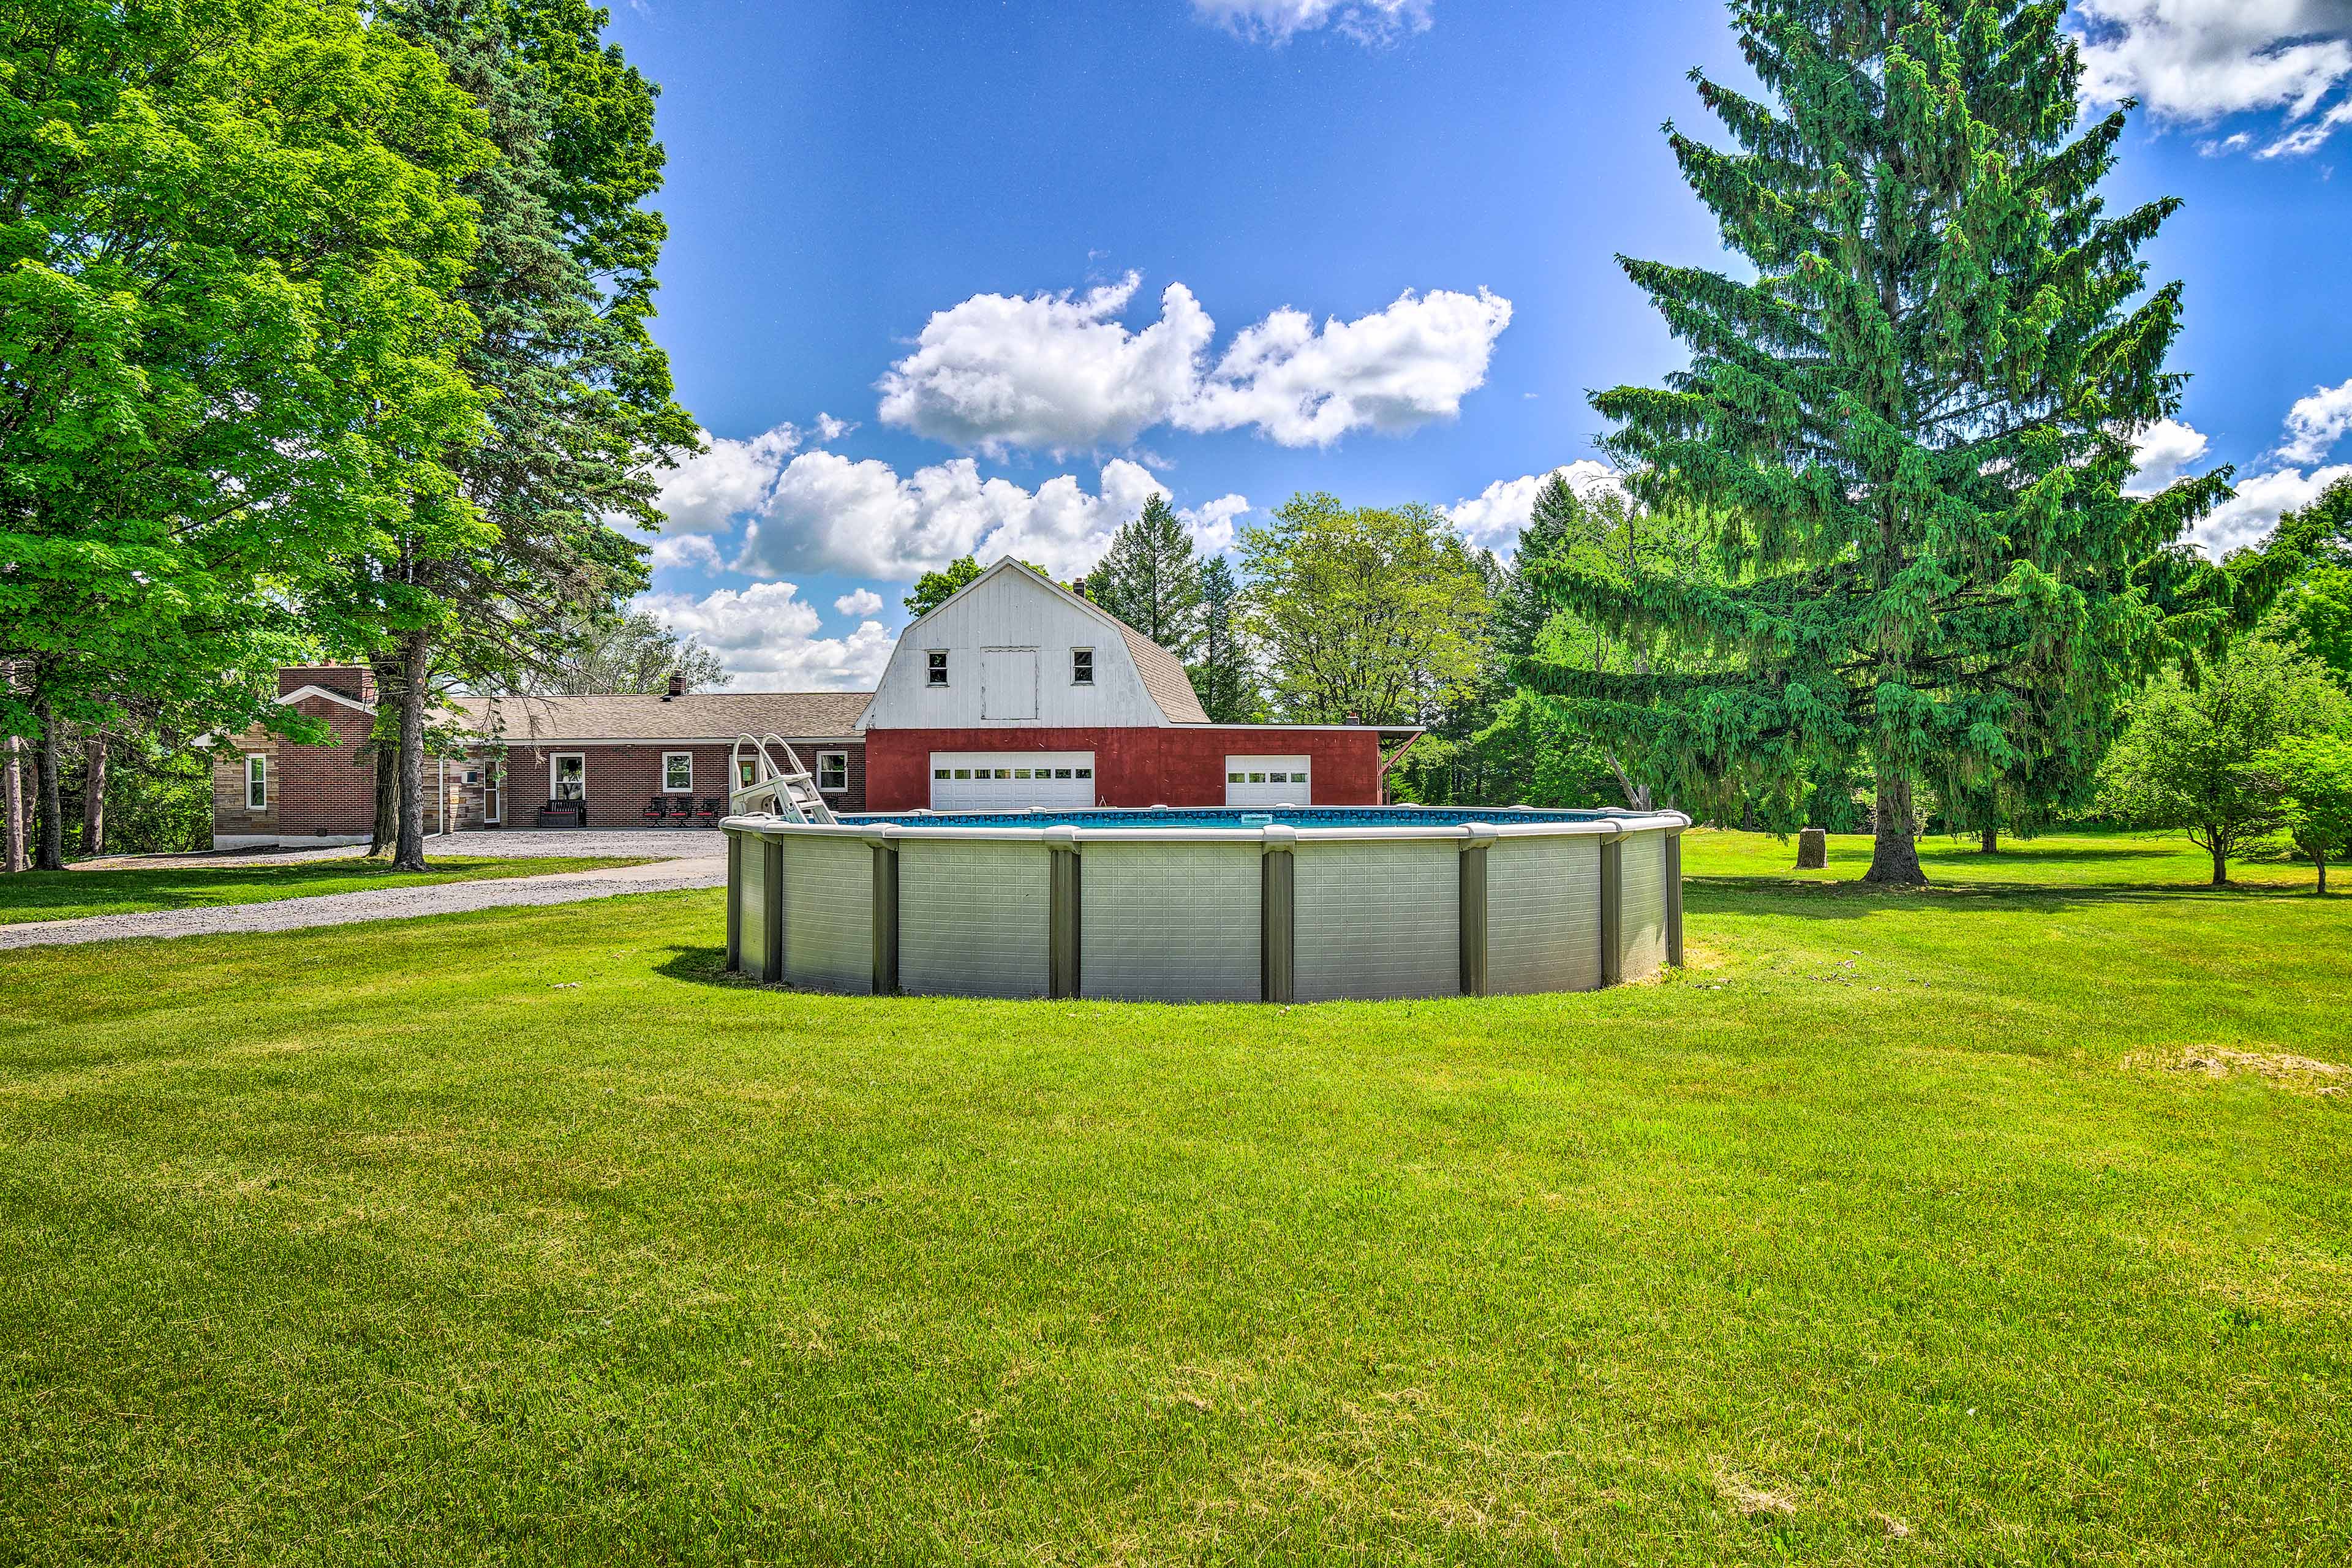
(1232,817)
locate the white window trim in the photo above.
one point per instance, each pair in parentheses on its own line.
(947,670)
(1089,680)
(256,774)
(668,788)
(824,787)
(554,761)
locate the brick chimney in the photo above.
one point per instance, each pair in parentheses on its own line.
(677,686)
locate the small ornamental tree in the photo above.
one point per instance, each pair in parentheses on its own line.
(1913,426)
(2195,755)
(2313,774)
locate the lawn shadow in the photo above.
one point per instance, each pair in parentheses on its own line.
(699,965)
(1855,900)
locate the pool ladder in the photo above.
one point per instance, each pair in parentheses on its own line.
(789,791)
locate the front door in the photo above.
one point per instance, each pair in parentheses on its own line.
(494,790)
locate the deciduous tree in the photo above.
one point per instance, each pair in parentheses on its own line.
(2313,776)
(2193,754)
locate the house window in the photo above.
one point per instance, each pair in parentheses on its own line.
(256,782)
(1082,667)
(833,770)
(936,666)
(678,772)
(567,776)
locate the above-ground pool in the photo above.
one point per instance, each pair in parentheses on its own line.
(1301,904)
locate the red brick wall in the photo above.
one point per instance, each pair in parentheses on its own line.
(622,778)
(313,790)
(1133,767)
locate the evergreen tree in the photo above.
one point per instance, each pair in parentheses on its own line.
(1913,427)
(480,583)
(1151,580)
(1224,679)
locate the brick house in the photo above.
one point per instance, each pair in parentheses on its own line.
(615,754)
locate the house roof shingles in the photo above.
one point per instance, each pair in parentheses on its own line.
(696,716)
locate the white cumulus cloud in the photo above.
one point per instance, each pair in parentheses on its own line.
(1055,371)
(686,549)
(859,602)
(2164,452)
(2316,423)
(704,494)
(1278,21)
(2196,61)
(1063,372)
(765,636)
(1212,526)
(2247,517)
(864,517)
(1493,518)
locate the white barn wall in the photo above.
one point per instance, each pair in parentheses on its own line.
(1012,609)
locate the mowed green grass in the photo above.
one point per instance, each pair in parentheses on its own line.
(71,894)
(1902,1229)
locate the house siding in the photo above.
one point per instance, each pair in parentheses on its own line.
(1168,765)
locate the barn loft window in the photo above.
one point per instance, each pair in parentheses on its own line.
(935,664)
(1082,667)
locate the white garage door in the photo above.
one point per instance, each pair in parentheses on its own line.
(1267,781)
(1011,781)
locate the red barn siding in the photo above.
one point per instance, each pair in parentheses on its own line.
(1182,765)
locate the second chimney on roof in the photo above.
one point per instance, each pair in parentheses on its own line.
(677,686)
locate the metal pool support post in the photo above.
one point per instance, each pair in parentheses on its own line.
(1675,896)
(886,913)
(1612,908)
(771,923)
(1277,915)
(1063,915)
(734,902)
(1475,838)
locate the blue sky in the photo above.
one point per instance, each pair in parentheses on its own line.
(948,275)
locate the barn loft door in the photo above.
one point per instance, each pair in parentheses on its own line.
(1008,683)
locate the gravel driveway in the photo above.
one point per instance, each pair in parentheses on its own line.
(506,844)
(694,859)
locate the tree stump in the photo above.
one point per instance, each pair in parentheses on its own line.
(1812,850)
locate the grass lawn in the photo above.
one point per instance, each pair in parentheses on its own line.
(67,895)
(2006,1223)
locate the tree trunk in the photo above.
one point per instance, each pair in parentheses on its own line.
(50,851)
(1895,851)
(93,794)
(1990,844)
(2321,861)
(2221,863)
(385,832)
(409,852)
(12,806)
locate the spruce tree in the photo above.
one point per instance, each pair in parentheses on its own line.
(1914,424)
(1151,580)
(1223,679)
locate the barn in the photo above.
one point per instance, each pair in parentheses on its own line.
(1017,692)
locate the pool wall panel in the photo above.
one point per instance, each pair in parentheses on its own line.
(1543,915)
(829,919)
(973,918)
(1169,922)
(1378,920)
(1644,925)
(750,895)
